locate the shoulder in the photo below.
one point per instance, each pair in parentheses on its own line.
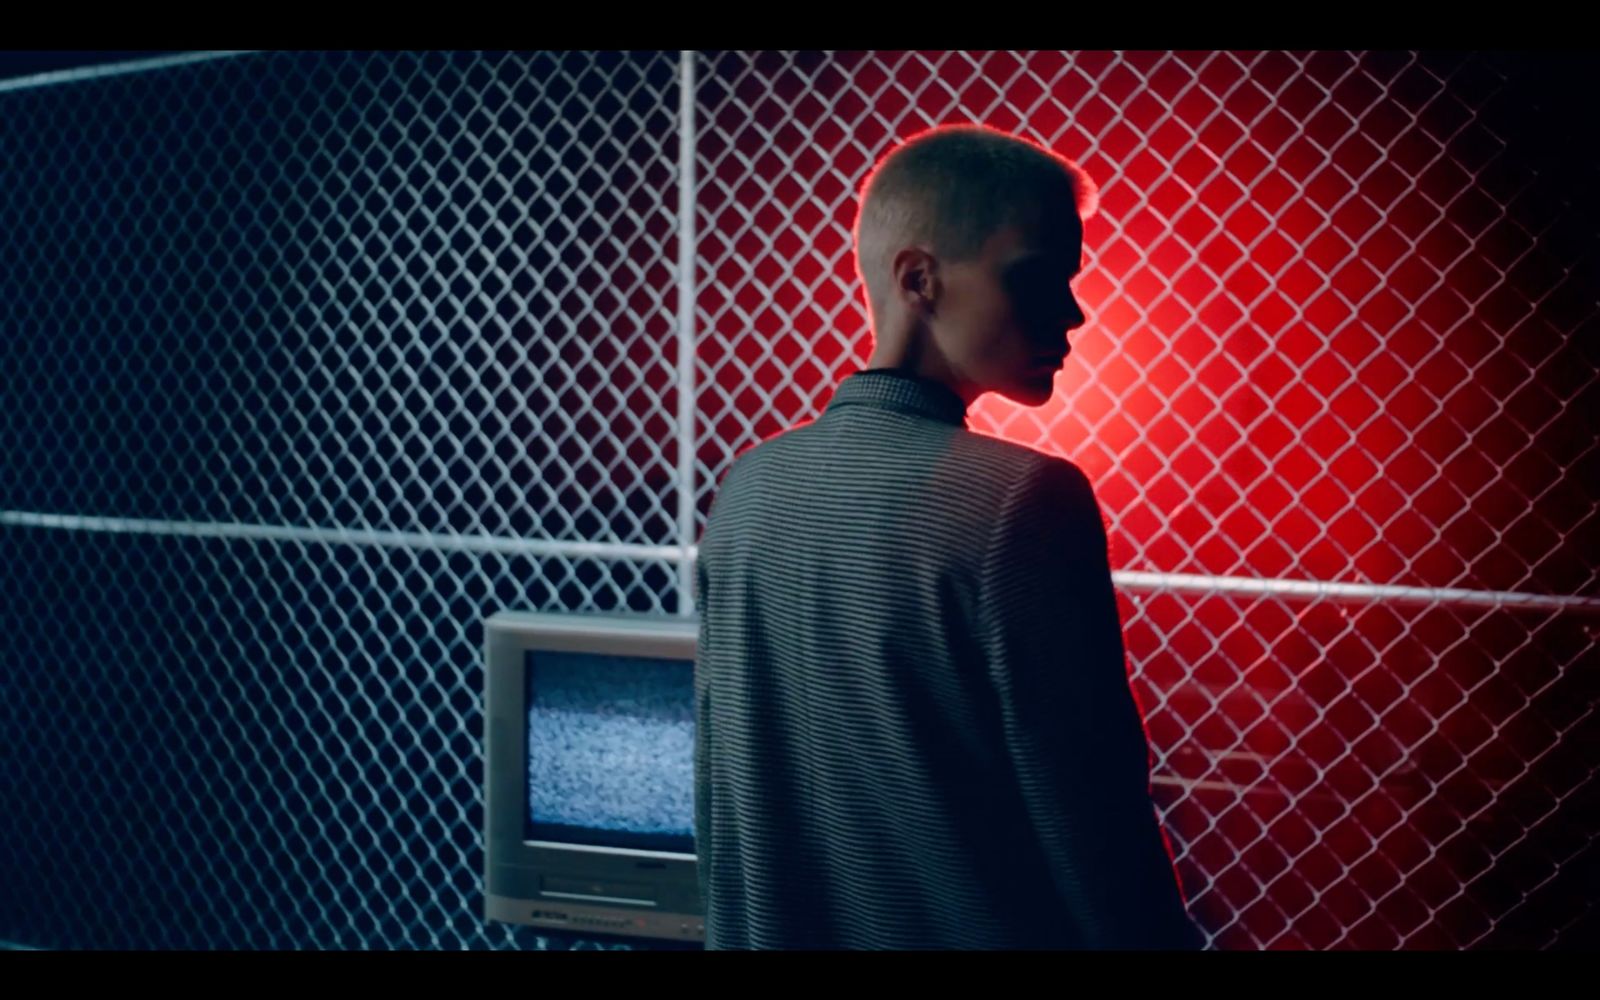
(1048,504)
(1000,476)
(778,452)
(1027,476)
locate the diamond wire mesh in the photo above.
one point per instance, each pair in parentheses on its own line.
(1334,312)
(1335,307)
(415,293)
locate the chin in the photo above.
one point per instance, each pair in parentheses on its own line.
(1034,389)
(1031,392)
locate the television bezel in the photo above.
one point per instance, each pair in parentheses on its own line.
(577,888)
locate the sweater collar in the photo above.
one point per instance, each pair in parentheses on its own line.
(891,389)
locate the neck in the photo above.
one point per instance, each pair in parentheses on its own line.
(905,355)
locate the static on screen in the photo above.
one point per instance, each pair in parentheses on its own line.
(610,750)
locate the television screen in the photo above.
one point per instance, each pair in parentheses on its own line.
(610,750)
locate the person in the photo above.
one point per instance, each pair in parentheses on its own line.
(914,727)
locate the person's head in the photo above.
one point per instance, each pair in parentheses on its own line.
(966,240)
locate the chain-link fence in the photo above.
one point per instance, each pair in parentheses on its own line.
(310,362)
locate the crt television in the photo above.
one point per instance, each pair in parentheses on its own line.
(589,775)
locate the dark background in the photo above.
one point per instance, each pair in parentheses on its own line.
(28,62)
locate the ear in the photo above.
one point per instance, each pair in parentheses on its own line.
(915,276)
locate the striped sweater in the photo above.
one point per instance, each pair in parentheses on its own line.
(913,721)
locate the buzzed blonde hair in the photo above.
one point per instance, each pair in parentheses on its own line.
(950,188)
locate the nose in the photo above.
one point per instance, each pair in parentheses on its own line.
(1075,317)
(1064,315)
(1070,320)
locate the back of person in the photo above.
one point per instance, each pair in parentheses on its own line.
(914,728)
(860,790)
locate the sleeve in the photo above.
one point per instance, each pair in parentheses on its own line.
(704,594)
(1073,732)
(702,734)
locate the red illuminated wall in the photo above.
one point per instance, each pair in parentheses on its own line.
(1340,329)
